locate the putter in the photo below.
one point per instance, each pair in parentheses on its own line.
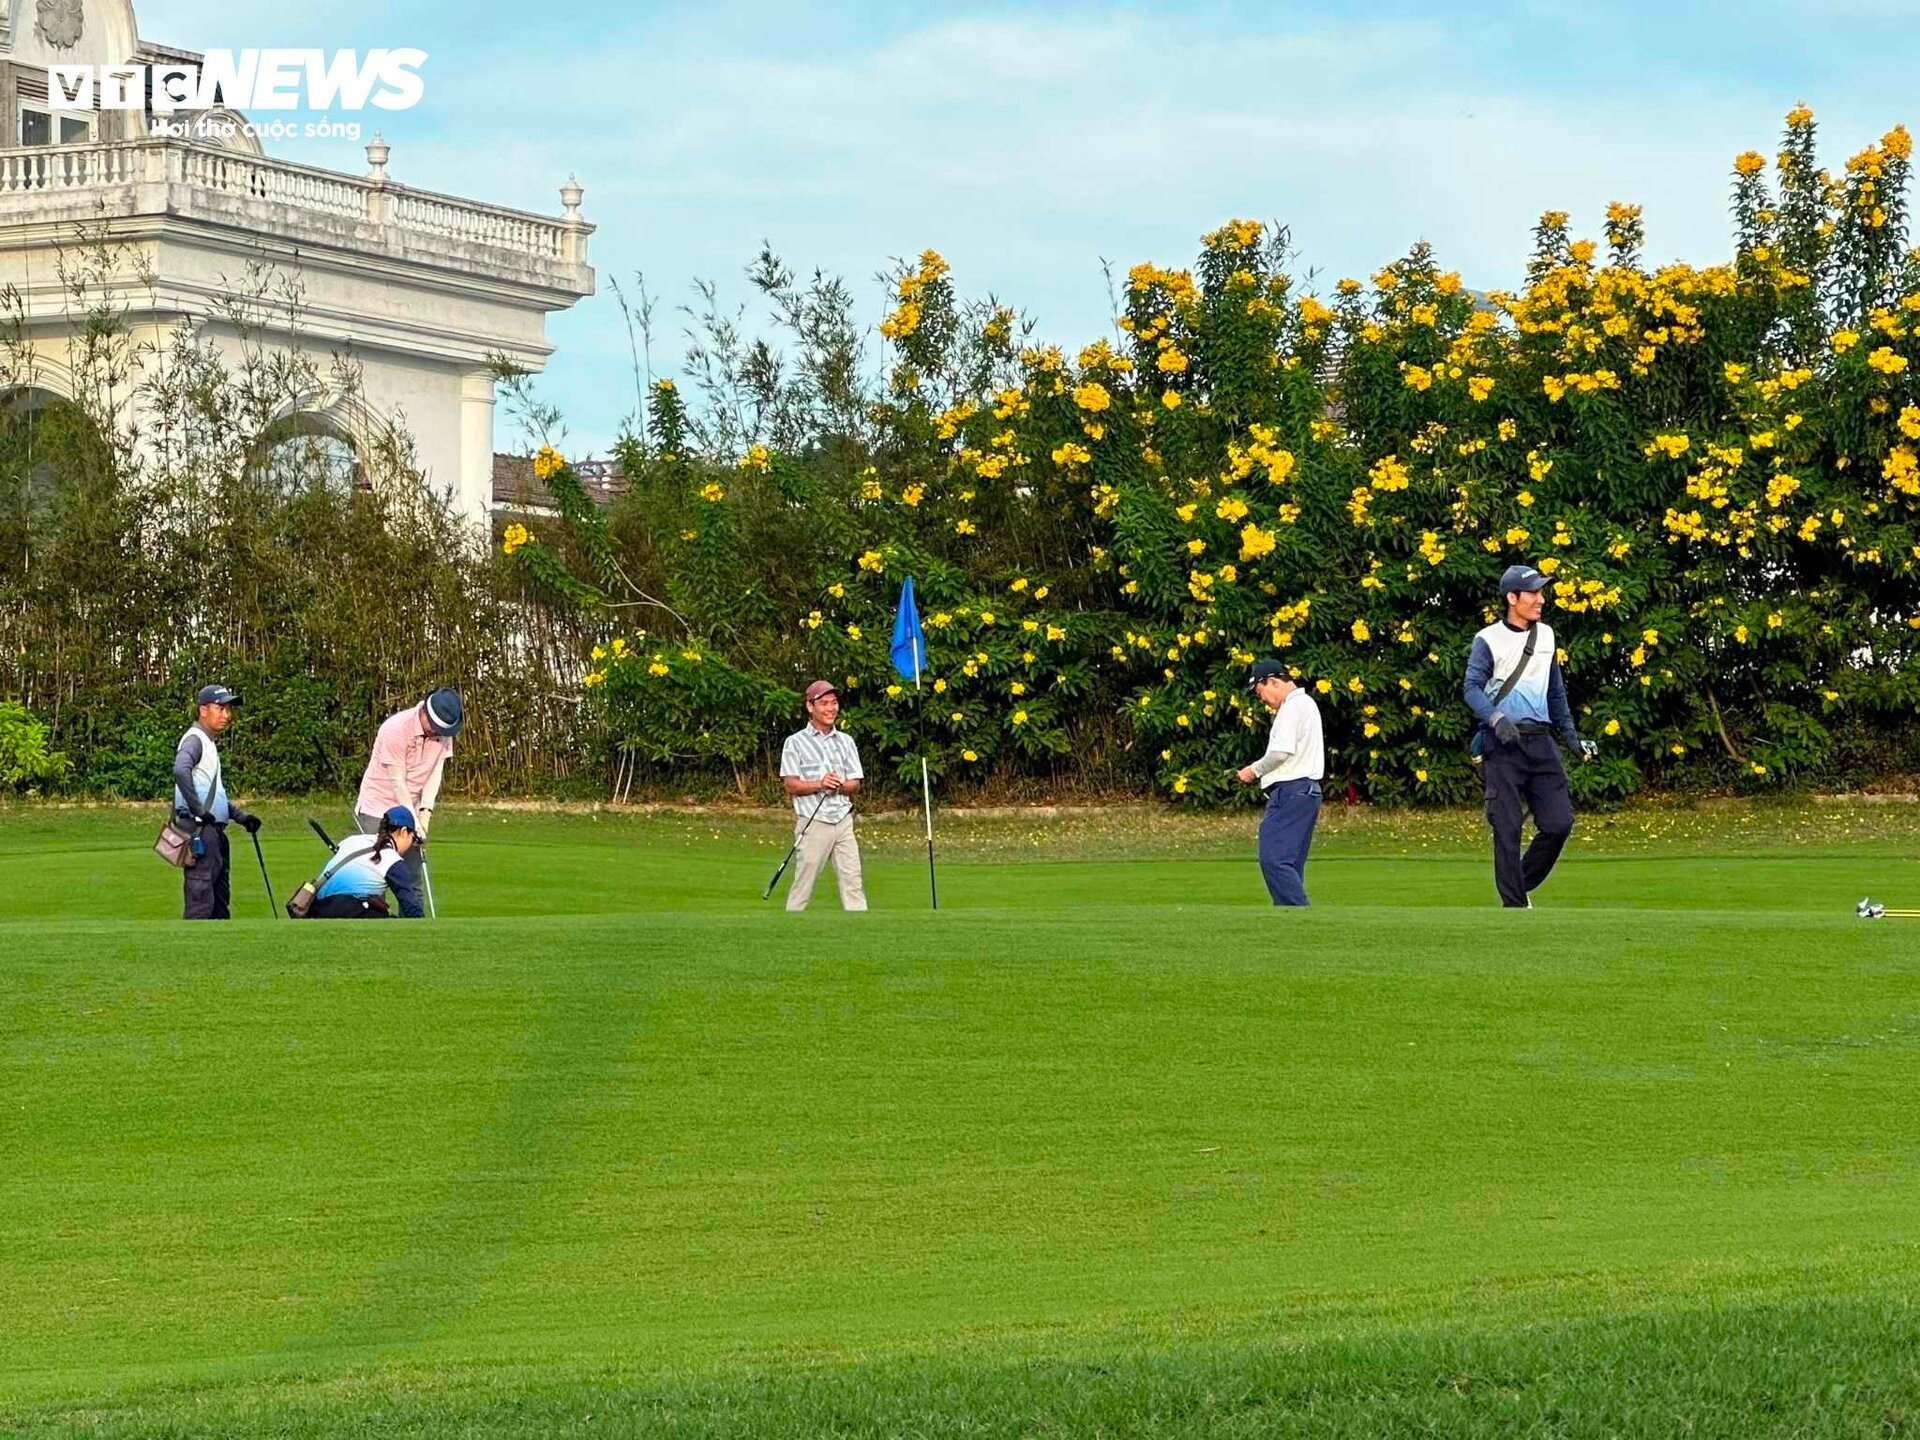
(794,851)
(273,906)
(426,882)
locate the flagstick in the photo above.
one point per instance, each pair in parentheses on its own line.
(926,785)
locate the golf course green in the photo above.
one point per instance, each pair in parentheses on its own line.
(1105,1146)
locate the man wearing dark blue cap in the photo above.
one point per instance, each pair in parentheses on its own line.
(200,805)
(1515,688)
(1290,772)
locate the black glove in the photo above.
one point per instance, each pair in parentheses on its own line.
(1505,731)
(248,823)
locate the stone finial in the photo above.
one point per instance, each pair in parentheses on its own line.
(570,196)
(377,152)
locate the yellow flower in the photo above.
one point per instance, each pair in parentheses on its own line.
(1752,162)
(912,494)
(1020,717)
(1421,776)
(1612,727)
(756,458)
(1361,632)
(1092,396)
(1171,361)
(658,667)
(1886,362)
(712,493)
(871,561)
(515,537)
(964,527)
(893,692)
(546,462)
(968,756)
(1170,399)
(1480,386)
(1357,686)
(1325,687)
(939,687)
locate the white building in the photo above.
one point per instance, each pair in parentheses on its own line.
(421,288)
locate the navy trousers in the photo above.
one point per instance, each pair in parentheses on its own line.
(208,882)
(1526,776)
(1286,833)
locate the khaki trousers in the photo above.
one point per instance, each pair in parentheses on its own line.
(822,843)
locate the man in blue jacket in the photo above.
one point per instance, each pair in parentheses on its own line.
(1515,688)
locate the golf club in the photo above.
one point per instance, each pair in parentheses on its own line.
(273,906)
(325,839)
(426,882)
(795,850)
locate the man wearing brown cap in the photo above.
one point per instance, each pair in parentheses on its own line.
(820,767)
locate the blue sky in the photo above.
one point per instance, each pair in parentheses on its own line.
(1026,144)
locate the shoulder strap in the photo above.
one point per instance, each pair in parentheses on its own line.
(339,858)
(1526,656)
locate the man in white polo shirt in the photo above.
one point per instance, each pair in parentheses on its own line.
(820,767)
(1290,772)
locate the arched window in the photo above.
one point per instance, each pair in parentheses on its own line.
(49,452)
(309,450)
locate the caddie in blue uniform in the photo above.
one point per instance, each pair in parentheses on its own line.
(201,806)
(364,868)
(1290,773)
(1515,688)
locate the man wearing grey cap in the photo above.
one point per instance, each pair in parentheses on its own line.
(820,768)
(201,807)
(1290,773)
(1515,688)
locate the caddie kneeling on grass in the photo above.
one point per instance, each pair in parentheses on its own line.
(1290,773)
(355,883)
(820,767)
(1515,688)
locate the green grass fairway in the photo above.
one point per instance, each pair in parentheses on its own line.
(1107,1146)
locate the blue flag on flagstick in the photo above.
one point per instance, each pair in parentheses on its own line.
(909,644)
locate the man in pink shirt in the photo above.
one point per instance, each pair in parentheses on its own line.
(409,760)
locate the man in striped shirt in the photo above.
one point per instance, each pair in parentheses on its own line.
(820,767)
